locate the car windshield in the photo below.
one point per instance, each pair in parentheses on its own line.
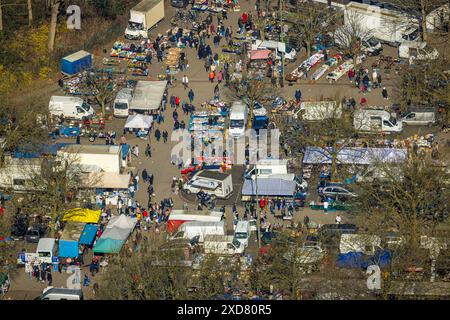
(44,254)
(121,105)
(373,42)
(240,235)
(428,49)
(86,106)
(393,121)
(236,123)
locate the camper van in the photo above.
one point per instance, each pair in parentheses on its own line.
(370,120)
(417,116)
(417,50)
(46,249)
(211,182)
(70,107)
(222,245)
(51,293)
(238,119)
(189,230)
(242,232)
(122,102)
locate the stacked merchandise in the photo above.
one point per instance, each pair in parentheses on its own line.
(340,71)
(172,59)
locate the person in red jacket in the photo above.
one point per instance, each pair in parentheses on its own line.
(177,101)
(245,18)
(261,203)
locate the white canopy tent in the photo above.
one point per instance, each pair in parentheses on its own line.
(139,121)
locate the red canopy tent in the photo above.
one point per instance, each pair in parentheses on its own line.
(260,54)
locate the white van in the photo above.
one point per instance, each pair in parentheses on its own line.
(189,230)
(46,249)
(211,182)
(417,116)
(122,102)
(238,119)
(242,232)
(222,245)
(417,50)
(370,120)
(70,107)
(51,293)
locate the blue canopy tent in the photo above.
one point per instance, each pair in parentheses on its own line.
(359,260)
(33,151)
(88,235)
(269,187)
(69,241)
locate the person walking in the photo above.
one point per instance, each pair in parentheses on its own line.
(157,134)
(220,76)
(165,135)
(338,219)
(191,95)
(144,175)
(384,93)
(148,150)
(379,79)
(298,95)
(211,76)
(185,81)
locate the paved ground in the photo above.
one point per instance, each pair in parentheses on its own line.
(159,163)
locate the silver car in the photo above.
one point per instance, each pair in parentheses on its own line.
(337,191)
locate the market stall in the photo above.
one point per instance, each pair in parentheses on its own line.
(139,123)
(68,242)
(82,215)
(115,234)
(305,66)
(268,188)
(340,71)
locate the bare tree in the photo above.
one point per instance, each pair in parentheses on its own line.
(349,37)
(418,12)
(30,12)
(103,86)
(250,92)
(311,19)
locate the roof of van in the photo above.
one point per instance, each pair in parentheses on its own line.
(76,56)
(218,238)
(212,175)
(242,225)
(238,107)
(63,291)
(371,111)
(272,162)
(421,109)
(46,244)
(65,98)
(125,93)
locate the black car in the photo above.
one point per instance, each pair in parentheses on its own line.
(34,234)
(19,226)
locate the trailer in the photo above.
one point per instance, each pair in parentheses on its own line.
(76,62)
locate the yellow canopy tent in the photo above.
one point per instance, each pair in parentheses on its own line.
(82,215)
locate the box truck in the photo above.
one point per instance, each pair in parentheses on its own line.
(70,107)
(369,120)
(122,102)
(46,249)
(76,62)
(189,230)
(242,232)
(222,245)
(145,15)
(238,119)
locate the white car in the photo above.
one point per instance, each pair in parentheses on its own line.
(372,47)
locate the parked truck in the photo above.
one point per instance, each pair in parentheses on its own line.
(144,16)
(70,107)
(189,230)
(372,120)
